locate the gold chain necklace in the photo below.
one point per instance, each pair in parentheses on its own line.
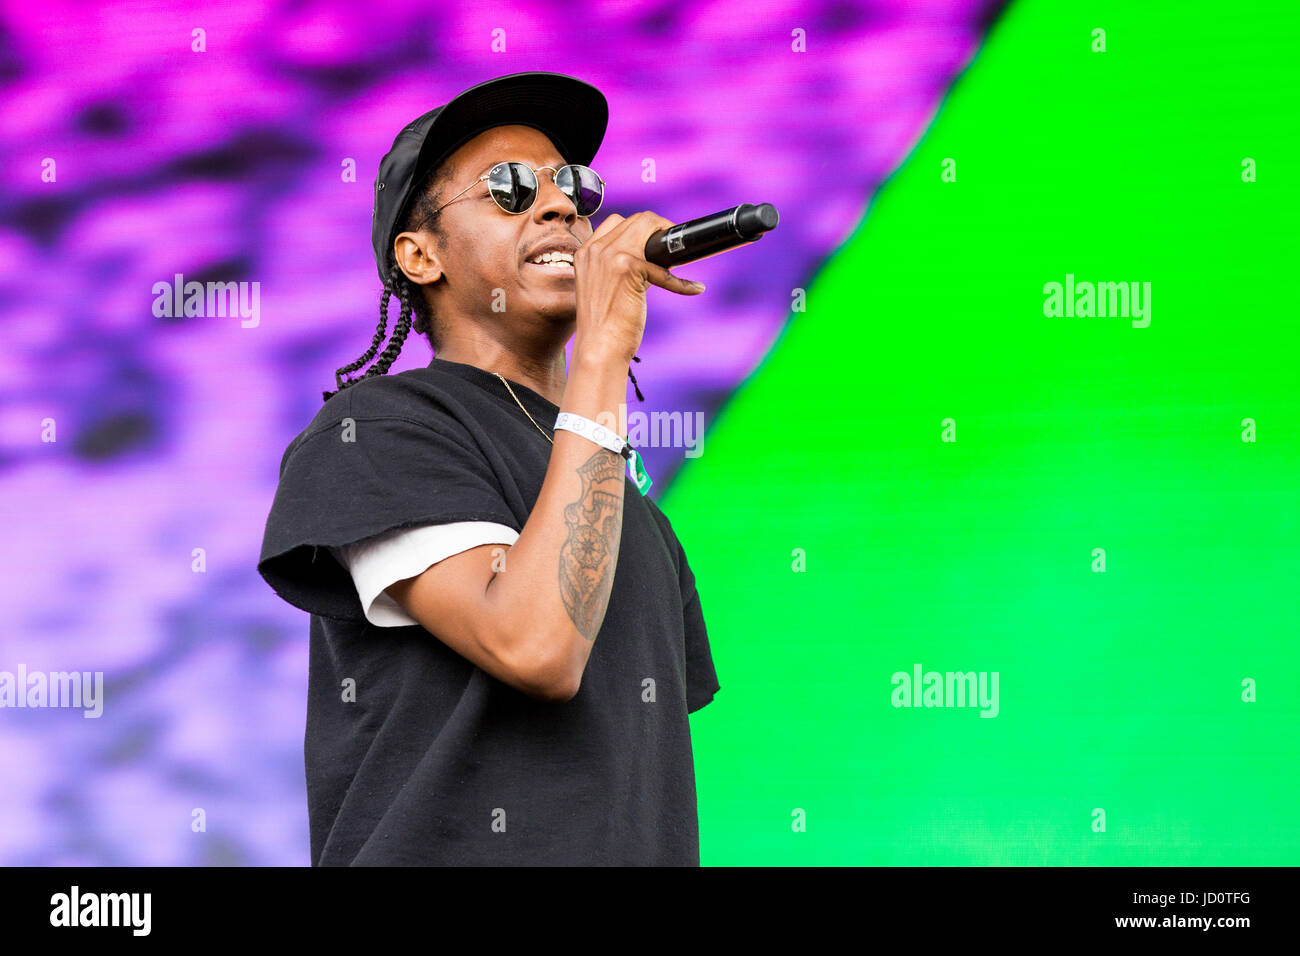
(639,475)
(521,406)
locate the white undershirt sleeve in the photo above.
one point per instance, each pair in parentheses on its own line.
(383,559)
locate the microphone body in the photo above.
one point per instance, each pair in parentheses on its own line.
(709,235)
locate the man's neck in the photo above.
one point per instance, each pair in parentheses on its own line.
(544,374)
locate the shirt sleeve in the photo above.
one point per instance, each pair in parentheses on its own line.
(362,474)
(701,676)
(396,555)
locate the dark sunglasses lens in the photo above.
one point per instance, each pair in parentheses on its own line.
(513,186)
(582,186)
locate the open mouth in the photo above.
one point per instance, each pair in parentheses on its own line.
(557,263)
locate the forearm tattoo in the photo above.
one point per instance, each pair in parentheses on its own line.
(588,555)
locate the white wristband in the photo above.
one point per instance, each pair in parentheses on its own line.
(590,430)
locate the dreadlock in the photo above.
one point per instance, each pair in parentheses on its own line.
(423,213)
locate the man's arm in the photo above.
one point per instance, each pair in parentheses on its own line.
(532,625)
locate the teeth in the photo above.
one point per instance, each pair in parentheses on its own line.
(553,257)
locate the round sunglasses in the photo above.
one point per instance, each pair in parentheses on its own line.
(514,186)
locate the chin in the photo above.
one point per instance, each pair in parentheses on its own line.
(562,318)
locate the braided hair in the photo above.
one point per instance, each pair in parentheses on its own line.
(423,213)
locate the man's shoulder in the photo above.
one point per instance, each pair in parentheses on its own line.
(665,527)
(660,518)
(393,395)
(419,395)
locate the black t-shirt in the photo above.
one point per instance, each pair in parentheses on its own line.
(436,761)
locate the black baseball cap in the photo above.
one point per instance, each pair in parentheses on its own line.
(572,113)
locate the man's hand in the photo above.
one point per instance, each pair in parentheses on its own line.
(612,277)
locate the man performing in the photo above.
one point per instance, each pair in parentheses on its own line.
(506,637)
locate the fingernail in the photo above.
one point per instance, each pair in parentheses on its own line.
(698,285)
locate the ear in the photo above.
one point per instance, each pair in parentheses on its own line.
(416,254)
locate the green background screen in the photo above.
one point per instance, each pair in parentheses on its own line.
(928,469)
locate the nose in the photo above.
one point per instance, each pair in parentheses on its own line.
(551,202)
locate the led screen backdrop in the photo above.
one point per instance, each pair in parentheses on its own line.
(1006,405)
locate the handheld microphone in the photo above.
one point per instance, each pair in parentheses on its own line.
(709,235)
